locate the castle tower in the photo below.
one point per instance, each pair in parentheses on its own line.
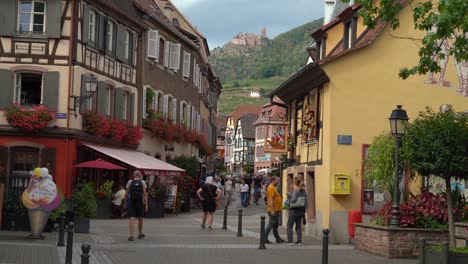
(264,32)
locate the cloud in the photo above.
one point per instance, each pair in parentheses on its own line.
(220,20)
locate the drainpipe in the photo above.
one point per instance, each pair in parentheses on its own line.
(70,58)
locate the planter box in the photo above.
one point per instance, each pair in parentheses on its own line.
(443,256)
(461,233)
(82,225)
(104,209)
(394,242)
(155,208)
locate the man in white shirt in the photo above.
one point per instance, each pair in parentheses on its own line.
(117,199)
(244,191)
(228,190)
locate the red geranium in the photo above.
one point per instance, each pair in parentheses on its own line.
(31,120)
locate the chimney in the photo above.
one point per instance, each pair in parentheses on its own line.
(329,6)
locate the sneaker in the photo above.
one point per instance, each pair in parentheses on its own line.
(280,240)
(298,243)
(141,236)
(268,242)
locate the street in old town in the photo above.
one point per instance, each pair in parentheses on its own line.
(179,239)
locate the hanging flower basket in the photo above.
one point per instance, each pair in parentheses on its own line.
(29,120)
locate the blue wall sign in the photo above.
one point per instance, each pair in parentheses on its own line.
(345,139)
(60,115)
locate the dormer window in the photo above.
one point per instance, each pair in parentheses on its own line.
(349,32)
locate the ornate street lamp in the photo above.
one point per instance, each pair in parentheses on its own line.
(398,124)
(91,84)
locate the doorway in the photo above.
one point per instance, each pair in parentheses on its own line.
(310,187)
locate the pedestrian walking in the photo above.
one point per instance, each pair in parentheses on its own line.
(244,190)
(248,180)
(257,182)
(297,209)
(136,203)
(274,205)
(228,189)
(209,194)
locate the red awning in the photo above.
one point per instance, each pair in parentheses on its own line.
(146,164)
(99,164)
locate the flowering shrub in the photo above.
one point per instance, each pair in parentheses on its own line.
(105,190)
(100,126)
(426,210)
(28,120)
(165,129)
(185,184)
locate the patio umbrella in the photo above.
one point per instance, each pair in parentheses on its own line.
(99,164)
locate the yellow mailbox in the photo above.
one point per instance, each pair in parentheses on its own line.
(341,184)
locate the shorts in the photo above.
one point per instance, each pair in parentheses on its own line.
(209,207)
(135,209)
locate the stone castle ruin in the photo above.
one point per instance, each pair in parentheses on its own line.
(251,39)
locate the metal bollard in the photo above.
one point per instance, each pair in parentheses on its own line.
(325,246)
(69,251)
(239,224)
(262,233)
(225,218)
(61,237)
(85,248)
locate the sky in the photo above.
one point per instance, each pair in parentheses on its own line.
(221,20)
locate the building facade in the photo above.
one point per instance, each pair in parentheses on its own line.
(339,103)
(244,144)
(97,58)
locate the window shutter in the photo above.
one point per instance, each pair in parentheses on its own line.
(189,125)
(8,86)
(83,106)
(85,24)
(157,47)
(174,110)
(8,17)
(193,117)
(118,109)
(51,90)
(132,108)
(152,44)
(101,33)
(186,66)
(181,113)
(175,57)
(101,98)
(194,75)
(165,105)
(156,101)
(134,49)
(167,48)
(120,43)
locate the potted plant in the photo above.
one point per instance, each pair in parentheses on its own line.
(156,196)
(85,208)
(104,200)
(55,214)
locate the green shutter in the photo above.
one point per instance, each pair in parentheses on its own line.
(119,97)
(6,89)
(83,107)
(120,44)
(102,33)
(85,24)
(51,90)
(54,15)
(101,98)
(132,108)
(7,17)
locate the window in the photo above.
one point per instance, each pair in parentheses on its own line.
(110,36)
(175,22)
(170,112)
(152,47)
(28,89)
(92,26)
(160,101)
(174,57)
(186,69)
(108,100)
(161,50)
(124,106)
(127,41)
(32,16)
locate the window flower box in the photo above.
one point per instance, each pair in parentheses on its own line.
(28,120)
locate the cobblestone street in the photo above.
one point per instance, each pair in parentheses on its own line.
(178,239)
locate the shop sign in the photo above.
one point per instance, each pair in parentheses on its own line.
(169,148)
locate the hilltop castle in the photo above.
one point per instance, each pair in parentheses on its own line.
(251,39)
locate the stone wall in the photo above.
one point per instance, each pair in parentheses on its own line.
(394,242)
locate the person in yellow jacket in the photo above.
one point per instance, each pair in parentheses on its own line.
(274,205)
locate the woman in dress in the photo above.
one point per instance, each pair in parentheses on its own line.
(209,194)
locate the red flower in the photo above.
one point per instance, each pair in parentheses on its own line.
(28,120)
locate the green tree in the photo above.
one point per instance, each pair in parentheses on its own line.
(380,163)
(191,165)
(437,144)
(447,19)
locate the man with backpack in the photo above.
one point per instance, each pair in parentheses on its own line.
(136,203)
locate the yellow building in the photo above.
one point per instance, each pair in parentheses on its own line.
(338,103)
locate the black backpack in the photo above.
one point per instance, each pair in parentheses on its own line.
(136,190)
